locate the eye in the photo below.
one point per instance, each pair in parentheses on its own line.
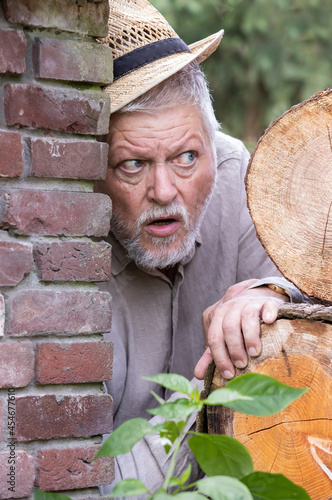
(131,166)
(185,159)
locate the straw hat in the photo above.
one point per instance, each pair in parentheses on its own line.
(146,50)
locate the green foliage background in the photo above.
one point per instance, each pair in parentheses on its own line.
(275,53)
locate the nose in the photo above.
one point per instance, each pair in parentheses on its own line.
(161,185)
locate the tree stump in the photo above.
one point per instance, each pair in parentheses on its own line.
(298,441)
(289,187)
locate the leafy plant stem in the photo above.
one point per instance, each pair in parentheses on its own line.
(177,444)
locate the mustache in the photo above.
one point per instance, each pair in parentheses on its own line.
(173,210)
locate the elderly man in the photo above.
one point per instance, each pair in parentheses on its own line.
(183,241)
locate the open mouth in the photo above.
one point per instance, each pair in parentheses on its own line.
(162,222)
(163,226)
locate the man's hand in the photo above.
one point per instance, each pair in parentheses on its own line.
(232,326)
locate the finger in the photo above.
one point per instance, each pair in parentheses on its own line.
(216,342)
(270,309)
(251,329)
(236,289)
(202,364)
(232,331)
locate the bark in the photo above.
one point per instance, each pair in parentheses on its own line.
(296,442)
(289,186)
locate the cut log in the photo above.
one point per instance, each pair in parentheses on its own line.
(296,442)
(289,187)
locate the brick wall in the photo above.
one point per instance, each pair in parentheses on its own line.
(53,409)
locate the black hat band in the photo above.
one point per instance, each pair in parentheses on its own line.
(147,54)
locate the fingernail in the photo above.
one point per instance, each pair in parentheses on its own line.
(268,316)
(252,351)
(240,364)
(227,374)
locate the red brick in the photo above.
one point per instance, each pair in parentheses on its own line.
(15,262)
(2,315)
(53,213)
(24,472)
(73,363)
(73,261)
(16,364)
(11,158)
(13,51)
(72,60)
(57,109)
(35,311)
(86,16)
(72,468)
(67,158)
(51,416)
(1,431)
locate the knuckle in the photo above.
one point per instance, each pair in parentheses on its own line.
(229,323)
(235,349)
(214,341)
(250,312)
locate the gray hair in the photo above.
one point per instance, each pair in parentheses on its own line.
(188,85)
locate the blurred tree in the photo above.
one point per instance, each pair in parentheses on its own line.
(274,54)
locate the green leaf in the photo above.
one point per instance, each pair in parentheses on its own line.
(43,495)
(169,431)
(129,488)
(162,495)
(223,488)
(171,381)
(181,408)
(174,482)
(221,455)
(124,437)
(255,394)
(195,395)
(266,486)
(189,495)
(185,476)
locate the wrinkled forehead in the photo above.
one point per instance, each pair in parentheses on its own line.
(158,122)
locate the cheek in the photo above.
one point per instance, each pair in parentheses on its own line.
(204,184)
(126,200)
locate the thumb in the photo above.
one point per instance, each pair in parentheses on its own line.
(202,364)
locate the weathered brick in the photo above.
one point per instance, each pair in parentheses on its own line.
(72,60)
(54,213)
(72,468)
(11,157)
(2,315)
(13,51)
(67,158)
(1,431)
(34,311)
(73,261)
(16,364)
(51,416)
(23,480)
(73,363)
(15,262)
(57,109)
(86,16)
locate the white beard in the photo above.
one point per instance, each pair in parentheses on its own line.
(163,255)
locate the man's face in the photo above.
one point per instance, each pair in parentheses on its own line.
(160,177)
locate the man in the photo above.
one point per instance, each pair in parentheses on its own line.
(183,241)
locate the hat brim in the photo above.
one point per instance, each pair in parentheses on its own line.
(136,83)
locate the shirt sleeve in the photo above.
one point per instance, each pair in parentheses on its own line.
(148,460)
